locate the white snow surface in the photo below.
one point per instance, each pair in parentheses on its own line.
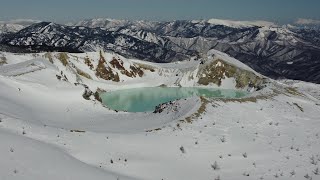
(240,24)
(48,131)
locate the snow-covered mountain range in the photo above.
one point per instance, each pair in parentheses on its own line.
(273,50)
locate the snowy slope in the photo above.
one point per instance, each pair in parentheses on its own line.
(49,131)
(30,159)
(24,67)
(82,68)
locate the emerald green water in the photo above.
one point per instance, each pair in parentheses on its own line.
(145,99)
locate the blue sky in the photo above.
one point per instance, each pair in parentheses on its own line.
(281,11)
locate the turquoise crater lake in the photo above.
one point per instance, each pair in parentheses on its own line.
(145,99)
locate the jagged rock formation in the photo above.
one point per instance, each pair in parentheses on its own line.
(216,71)
(95,67)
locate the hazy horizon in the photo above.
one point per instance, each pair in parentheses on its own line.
(284,11)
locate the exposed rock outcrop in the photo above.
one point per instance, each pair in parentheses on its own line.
(218,70)
(104,72)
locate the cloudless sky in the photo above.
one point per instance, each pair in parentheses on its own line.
(281,11)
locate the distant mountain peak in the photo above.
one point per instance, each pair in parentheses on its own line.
(240,24)
(16,25)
